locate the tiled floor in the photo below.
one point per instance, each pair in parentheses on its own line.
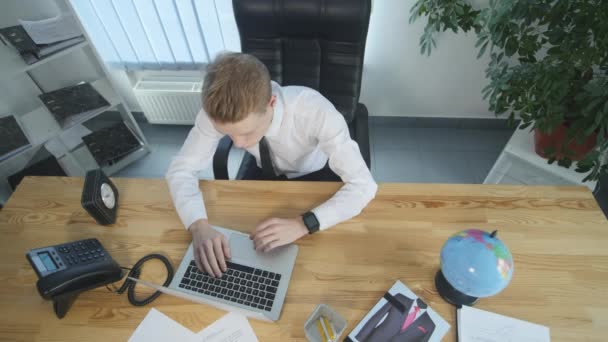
(403,150)
(434,154)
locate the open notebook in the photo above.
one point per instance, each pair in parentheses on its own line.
(475,325)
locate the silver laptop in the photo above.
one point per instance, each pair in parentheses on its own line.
(254,285)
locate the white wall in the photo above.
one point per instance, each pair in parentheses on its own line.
(399,81)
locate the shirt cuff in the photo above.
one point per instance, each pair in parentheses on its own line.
(191,213)
(326,216)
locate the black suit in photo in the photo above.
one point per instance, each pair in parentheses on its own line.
(389,330)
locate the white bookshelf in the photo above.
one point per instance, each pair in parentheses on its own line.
(519,164)
(23,83)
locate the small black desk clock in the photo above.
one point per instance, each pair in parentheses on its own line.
(100,197)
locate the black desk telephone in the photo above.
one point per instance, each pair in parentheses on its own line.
(66,270)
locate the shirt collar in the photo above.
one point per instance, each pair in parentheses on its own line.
(413,309)
(279,108)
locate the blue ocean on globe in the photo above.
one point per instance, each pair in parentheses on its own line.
(476,263)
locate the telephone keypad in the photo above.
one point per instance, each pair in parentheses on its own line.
(82,252)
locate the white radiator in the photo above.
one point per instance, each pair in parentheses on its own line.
(169,100)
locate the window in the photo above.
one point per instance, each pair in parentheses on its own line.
(159,34)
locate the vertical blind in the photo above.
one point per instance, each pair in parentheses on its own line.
(159,34)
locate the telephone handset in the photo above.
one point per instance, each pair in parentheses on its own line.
(66,270)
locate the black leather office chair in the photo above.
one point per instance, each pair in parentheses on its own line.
(601,194)
(315,43)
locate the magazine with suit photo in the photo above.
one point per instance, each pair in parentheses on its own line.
(400,316)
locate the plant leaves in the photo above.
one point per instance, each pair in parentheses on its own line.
(525,125)
(554,50)
(548,61)
(565,162)
(481,40)
(482,50)
(511,46)
(582,169)
(511,120)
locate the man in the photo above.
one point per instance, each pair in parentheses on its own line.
(292,131)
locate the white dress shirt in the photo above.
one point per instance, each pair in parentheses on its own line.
(305,131)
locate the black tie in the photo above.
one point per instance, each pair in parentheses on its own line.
(267,168)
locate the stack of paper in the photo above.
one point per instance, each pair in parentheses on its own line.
(158,327)
(476,325)
(52,30)
(35,40)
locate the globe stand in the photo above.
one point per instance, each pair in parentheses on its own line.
(450,294)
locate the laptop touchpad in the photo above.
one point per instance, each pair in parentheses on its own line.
(242,249)
(241,246)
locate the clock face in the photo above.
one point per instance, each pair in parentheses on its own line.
(107,196)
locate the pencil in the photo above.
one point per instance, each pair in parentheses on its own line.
(324,328)
(321,332)
(330,329)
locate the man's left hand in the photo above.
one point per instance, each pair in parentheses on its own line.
(275,232)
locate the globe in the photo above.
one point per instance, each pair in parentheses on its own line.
(474,264)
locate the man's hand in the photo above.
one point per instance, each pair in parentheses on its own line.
(276,232)
(210,248)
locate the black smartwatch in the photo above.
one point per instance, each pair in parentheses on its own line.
(311,222)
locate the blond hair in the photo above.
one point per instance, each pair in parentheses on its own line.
(236,84)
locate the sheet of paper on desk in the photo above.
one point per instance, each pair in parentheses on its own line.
(230,328)
(157,327)
(475,325)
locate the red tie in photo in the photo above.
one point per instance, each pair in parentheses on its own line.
(410,318)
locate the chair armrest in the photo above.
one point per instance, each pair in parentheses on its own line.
(361,125)
(220,158)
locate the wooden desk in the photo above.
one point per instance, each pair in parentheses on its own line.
(558,236)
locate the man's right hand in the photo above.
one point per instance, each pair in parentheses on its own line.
(211,248)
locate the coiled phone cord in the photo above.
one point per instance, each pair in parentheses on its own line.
(135,272)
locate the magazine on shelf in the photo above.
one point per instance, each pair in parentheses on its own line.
(71,105)
(13,139)
(28,49)
(110,144)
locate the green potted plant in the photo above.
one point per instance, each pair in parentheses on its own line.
(548,65)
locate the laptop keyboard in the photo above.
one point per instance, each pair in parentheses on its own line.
(240,284)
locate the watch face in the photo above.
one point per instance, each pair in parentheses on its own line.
(308,221)
(107,196)
(311,222)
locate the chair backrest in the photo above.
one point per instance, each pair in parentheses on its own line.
(601,194)
(315,43)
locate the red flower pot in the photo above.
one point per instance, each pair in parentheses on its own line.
(555,139)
